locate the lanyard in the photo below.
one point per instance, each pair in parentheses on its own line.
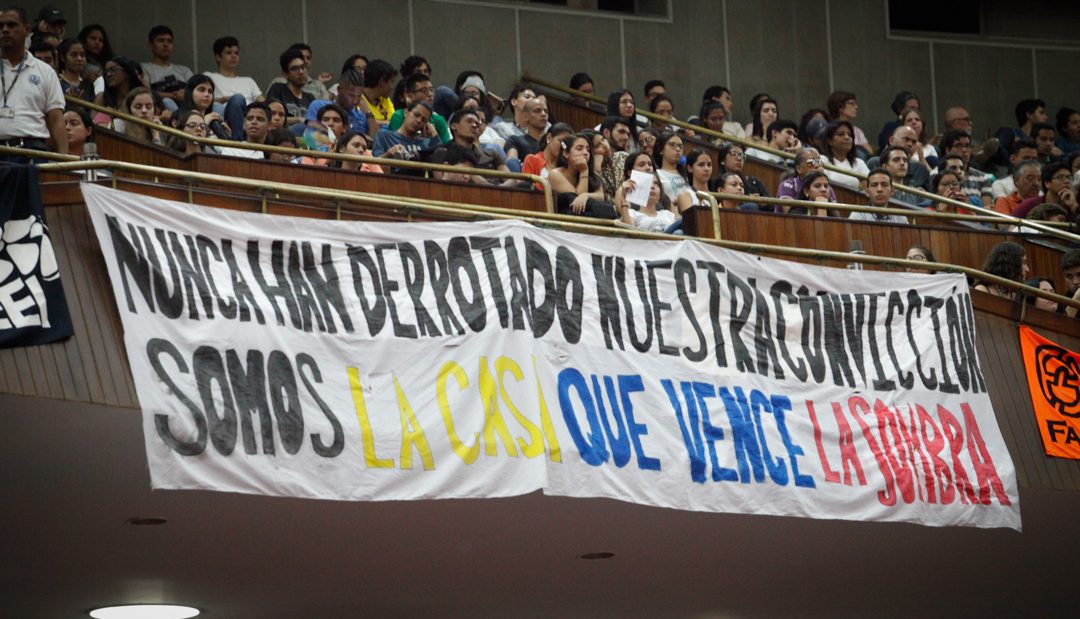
(3,78)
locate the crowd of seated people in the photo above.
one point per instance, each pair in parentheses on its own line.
(374,108)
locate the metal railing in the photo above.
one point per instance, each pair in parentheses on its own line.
(1041,227)
(264,187)
(549,201)
(563,222)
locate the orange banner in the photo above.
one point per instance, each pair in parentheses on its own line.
(1053,375)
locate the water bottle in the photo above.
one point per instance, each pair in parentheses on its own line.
(90,154)
(218,129)
(856,249)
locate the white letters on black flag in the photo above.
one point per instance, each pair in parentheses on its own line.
(363,361)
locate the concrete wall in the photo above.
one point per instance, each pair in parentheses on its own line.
(798,51)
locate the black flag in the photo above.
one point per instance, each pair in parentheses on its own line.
(32,306)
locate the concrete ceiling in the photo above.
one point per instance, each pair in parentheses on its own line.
(73,474)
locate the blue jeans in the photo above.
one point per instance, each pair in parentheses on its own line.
(233,113)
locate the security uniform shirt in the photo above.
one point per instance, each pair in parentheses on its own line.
(29,92)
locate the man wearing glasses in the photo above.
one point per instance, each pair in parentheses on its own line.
(418,87)
(291,93)
(806,161)
(1057,189)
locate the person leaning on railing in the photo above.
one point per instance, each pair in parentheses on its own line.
(730,158)
(578,188)
(1007,260)
(815,188)
(354,143)
(191,122)
(699,170)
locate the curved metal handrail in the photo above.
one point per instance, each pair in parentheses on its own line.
(549,201)
(566,222)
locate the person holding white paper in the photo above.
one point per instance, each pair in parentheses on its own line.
(649,217)
(640,164)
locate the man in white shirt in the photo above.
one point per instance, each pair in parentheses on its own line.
(165,78)
(32,102)
(256,127)
(231,89)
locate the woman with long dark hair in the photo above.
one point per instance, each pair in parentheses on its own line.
(765,114)
(1007,260)
(121,75)
(839,145)
(98,50)
(72,58)
(667,157)
(580,190)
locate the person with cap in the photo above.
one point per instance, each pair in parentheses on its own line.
(32,101)
(50,19)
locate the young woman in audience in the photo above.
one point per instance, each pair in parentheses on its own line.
(98,51)
(843,106)
(815,188)
(919,253)
(621,103)
(712,116)
(1007,260)
(652,216)
(79,129)
(278,114)
(577,185)
(667,155)
(199,96)
(1045,285)
(641,162)
(732,159)
(839,143)
(353,143)
(699,170)
(732,182)
(541,163)
(72,63)
(664,107)
(927,154)
(121,76)
(191,122)
(602,164)
(766,112)
(948,185)
(284,138)
(140,103)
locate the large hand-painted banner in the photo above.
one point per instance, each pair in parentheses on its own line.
(365,361)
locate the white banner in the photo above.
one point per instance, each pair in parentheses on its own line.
(375,361)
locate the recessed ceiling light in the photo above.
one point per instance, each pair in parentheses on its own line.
(144,611)
(596,556)
(146,521)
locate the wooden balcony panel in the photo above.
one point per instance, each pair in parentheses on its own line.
(954,245)
(92,366)
(119,147)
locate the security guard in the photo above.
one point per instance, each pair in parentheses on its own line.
(31,99)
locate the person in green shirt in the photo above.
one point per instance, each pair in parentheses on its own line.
(418,87)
